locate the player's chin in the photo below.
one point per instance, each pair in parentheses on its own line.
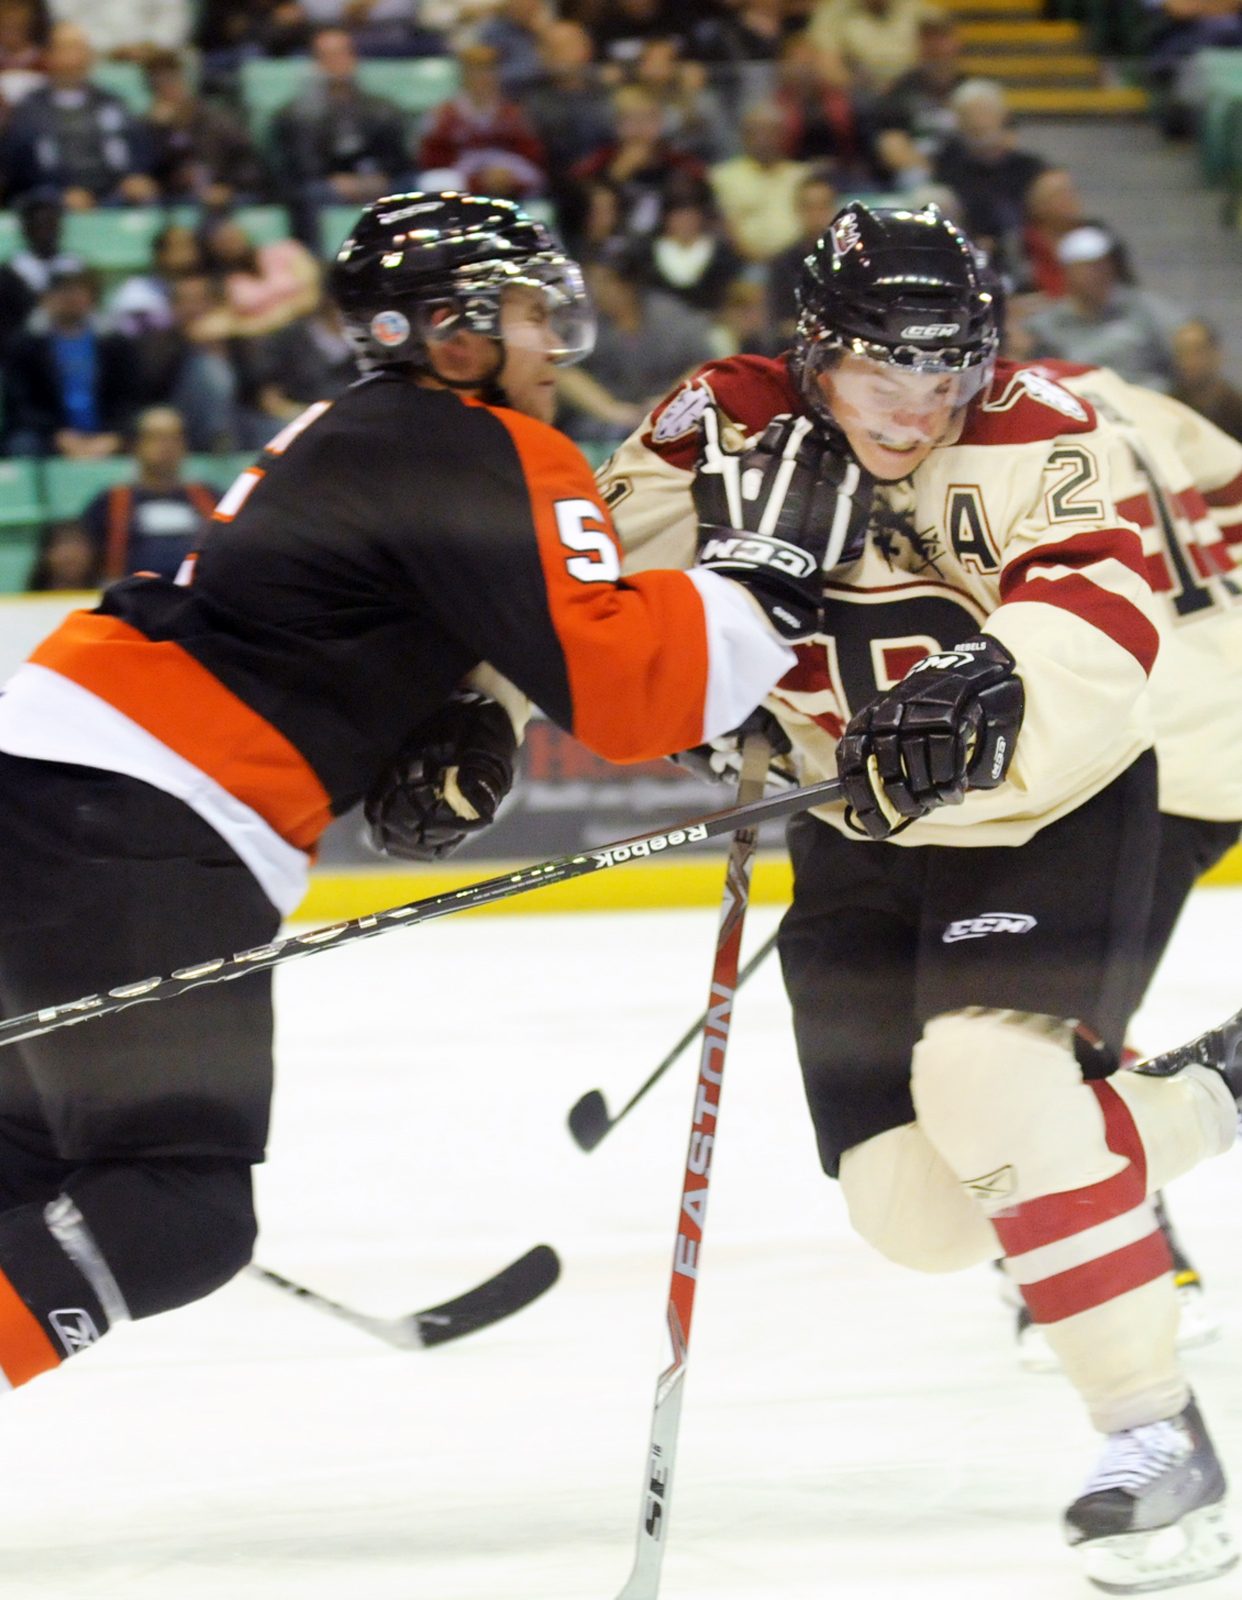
(538,400)
(889,460)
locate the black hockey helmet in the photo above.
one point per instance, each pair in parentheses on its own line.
(420,267)
(899,287)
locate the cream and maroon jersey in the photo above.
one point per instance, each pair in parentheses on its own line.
(1186,499)
(1014,531)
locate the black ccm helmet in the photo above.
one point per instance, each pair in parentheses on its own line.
(899,287)
(421,267)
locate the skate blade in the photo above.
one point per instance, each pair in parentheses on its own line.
(1199,1547)
(1196,1324)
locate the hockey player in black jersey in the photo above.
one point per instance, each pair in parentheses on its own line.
(378,595)
(980,685)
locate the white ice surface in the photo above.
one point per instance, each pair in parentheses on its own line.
(849,1430)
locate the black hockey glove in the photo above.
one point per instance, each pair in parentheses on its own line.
(779,513)
(949,725)
(720,759)
(446,783)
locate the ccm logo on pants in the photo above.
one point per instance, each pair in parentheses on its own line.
(989,922)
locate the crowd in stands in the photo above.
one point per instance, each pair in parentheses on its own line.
(689,152)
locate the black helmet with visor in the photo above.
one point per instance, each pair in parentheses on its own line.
(418,268)
(898,287)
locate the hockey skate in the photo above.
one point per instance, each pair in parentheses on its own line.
(1197,1323)
(1152,1514)
(1220,1048)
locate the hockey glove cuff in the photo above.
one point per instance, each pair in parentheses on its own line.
(949,725)
(777,514)
(720,759)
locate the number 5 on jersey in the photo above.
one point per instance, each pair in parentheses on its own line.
(583,527)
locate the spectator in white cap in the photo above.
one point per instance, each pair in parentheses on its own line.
(1105,319)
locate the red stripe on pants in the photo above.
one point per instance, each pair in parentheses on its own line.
(1095,1283)
(1052,1218)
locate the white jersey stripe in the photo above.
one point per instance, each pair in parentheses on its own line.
(745,655)
(46,716)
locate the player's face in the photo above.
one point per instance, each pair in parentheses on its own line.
(893,417)
(530,342)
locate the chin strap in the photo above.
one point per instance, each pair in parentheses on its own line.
(418,365)
(488,388)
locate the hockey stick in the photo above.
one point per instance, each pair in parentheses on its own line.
(265,956)
(589,1120)
(510,1290)
(644,1579)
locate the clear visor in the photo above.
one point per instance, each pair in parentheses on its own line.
(563,309)
(538,304)
(901,404)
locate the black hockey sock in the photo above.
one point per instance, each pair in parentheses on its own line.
(56,1292)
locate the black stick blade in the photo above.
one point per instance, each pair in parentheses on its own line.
(510,1290)
(589,1120)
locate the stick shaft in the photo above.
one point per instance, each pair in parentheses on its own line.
(644,1580)
(748,814)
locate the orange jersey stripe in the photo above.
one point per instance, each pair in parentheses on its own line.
(632,651)
(158,685)
(25,1350)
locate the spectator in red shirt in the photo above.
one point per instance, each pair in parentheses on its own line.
(479,140)
(1053,208)
(639,159)
(823,120)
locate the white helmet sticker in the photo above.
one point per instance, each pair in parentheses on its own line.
(681,415)
(846,235)
(390,328)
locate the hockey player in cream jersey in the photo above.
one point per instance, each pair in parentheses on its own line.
(946,953)
(1186,498)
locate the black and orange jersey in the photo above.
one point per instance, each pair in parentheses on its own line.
(383,546)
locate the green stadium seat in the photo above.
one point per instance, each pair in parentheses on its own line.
(19,549)
(543,211)
(69,486)
(1220,81)
(219,471)
(264,224)
(595,452)
(20,500)
(124,79)
(416,86)
(21,516)
(267,85)
(335,223)
(10,234)
(119,240)
(114,239)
